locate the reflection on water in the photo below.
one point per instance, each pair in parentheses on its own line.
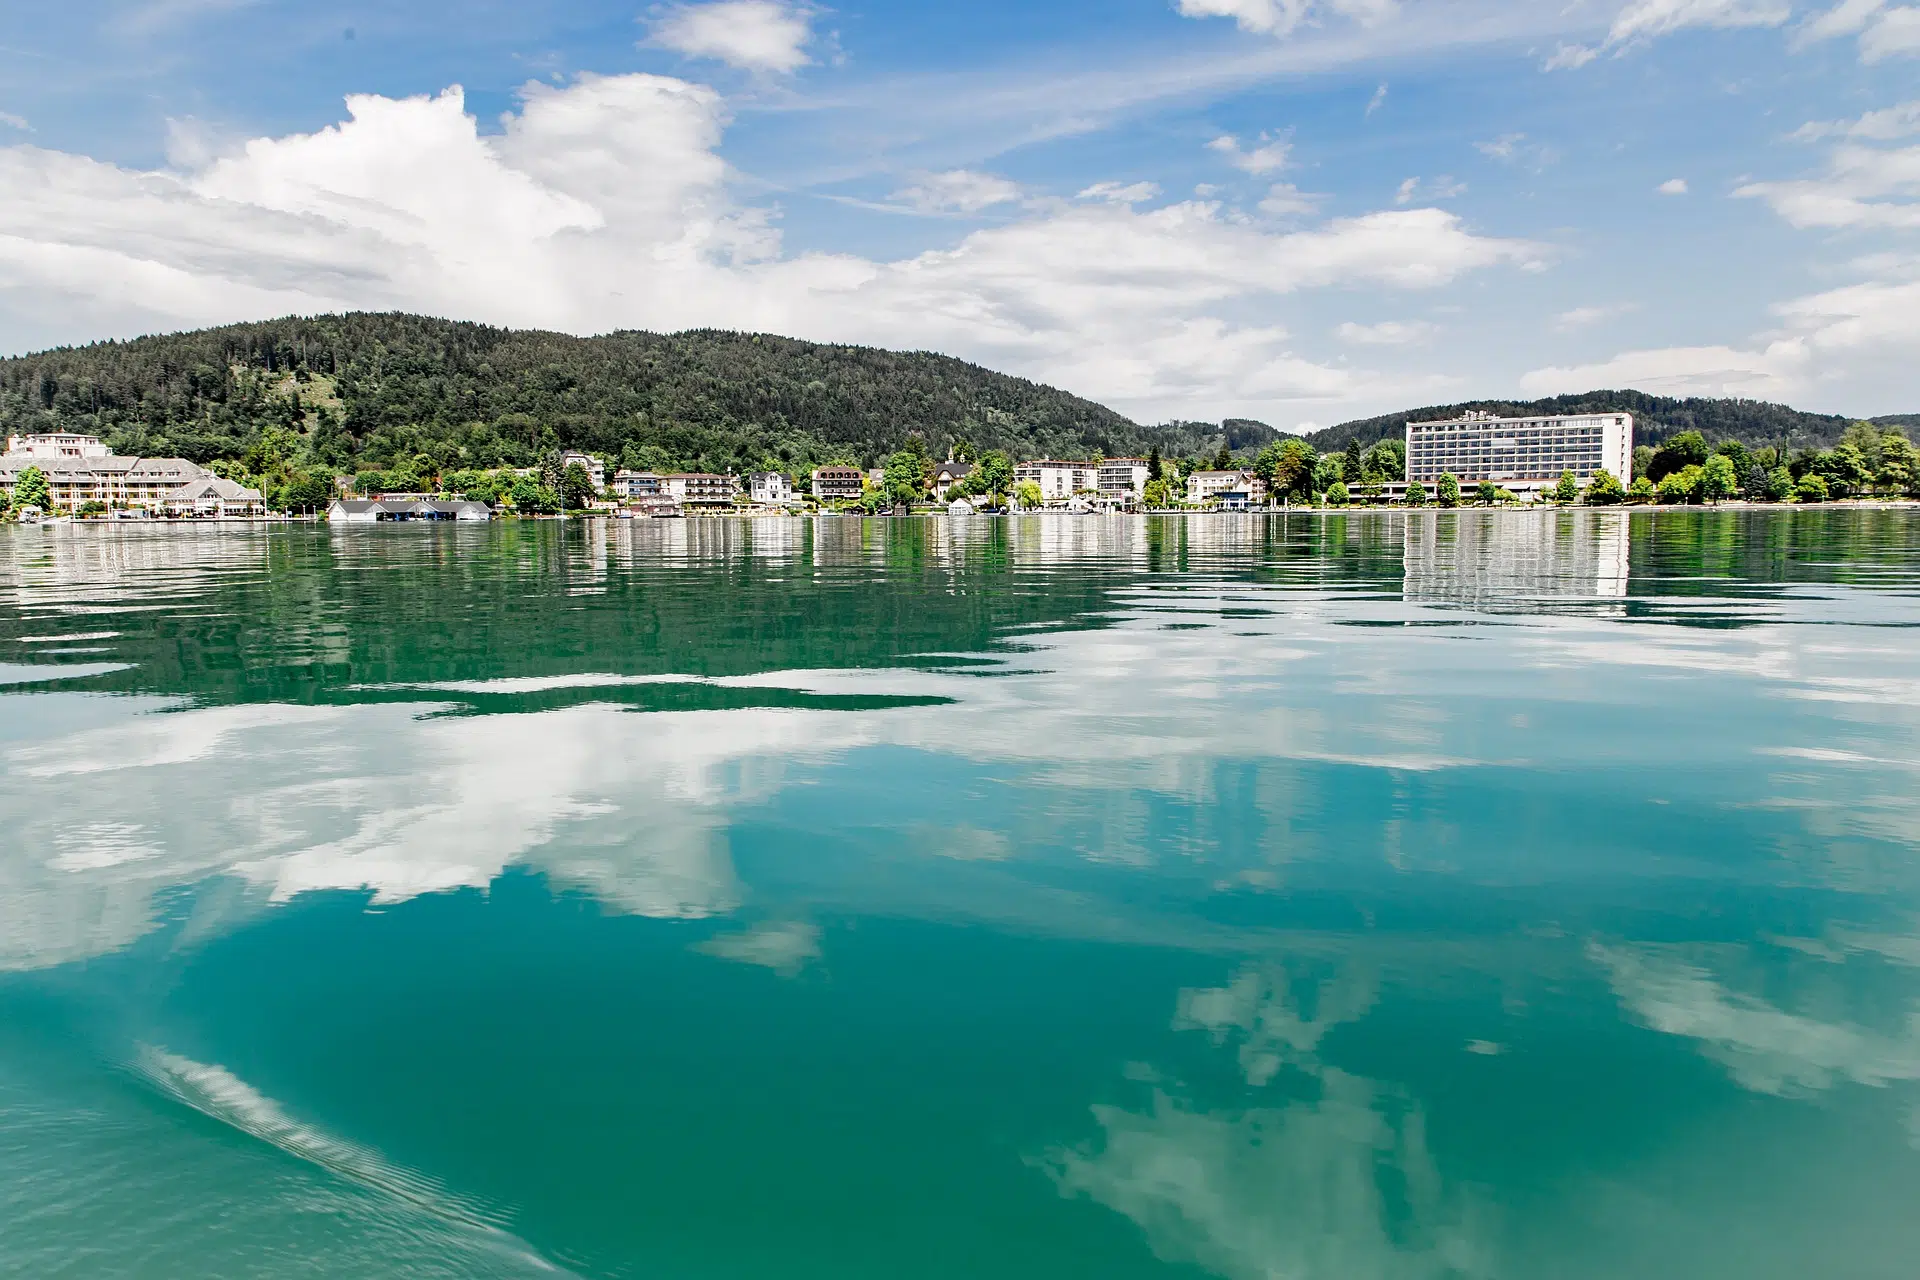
(1327,895)
(1514,560)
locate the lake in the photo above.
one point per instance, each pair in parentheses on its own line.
(1316,896)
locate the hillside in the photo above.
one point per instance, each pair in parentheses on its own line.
(1752,422)
(363,390)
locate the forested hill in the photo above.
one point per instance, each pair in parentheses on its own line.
(363,390)
(1752,422)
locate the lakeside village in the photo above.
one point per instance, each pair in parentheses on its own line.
(1474,460)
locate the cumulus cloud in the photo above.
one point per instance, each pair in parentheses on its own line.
(753,35)
(958,191)
(1444,187)
(1673,187)
(13,121)
(1862,187)
(604,204)
(1268,155)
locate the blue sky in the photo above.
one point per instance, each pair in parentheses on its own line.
(1293,210)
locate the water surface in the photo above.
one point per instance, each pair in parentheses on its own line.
(1325,897)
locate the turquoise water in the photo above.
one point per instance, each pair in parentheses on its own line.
(1307,897)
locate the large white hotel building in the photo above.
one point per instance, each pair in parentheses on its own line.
(1524,455)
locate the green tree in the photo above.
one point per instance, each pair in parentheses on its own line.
(31,489)
(1642,490)
(1286,468)
(1779,485)
(1488,493)
(1688,449)
(307,491)
(993,473)
(1353,462)
(1844,469)
(1680,486)
(1337,495)
(1812,488)
(1899,470)
(1330,469)
(576,487)
(532,498)
(1416,494)
(1566,491)
(1157,494)
(1642,459)
(906,477)
(1027,494)
(1387,459)
(1449,489)
(1153,463)
(1223,460)
(1718,479)
(1736,453)
(1604,490)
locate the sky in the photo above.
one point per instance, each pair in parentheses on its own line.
(1299,211)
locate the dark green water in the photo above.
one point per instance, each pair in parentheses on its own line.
(1306,898)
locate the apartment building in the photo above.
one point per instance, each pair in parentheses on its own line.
(1525,455)
(1121,477)
(838,484)
(80,469)
(1058,480)
(631,485)
(698,489)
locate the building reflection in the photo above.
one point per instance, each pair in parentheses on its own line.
(1506,559)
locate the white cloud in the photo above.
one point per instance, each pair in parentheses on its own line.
(1645,20)
(1823,336)
(604,204)
(1128,193)
(1444,187)
(1282,17)
(1505,147)
(1581,317)
(959,191)
(1673,187)
(1378,100)
(754,35)
(1283,199)
(1388,333)
(1268,156)
(1897,33)
(1876,126)
(1884,31)
(13,121)
(1863,187)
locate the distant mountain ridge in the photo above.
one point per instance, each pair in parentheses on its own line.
(361,389)
(1752,422)
(364,390)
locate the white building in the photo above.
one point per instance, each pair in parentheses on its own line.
(838,484)
(1122,477)
(770,488)
(699,489)
(1525,455)
(80,469)
(383,510)
(1233,490)
(631,485)
(1058,480)
(947,474)
(586,462)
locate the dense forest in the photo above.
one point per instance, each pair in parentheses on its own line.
(1655,419)
(408,401)
(361,391)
